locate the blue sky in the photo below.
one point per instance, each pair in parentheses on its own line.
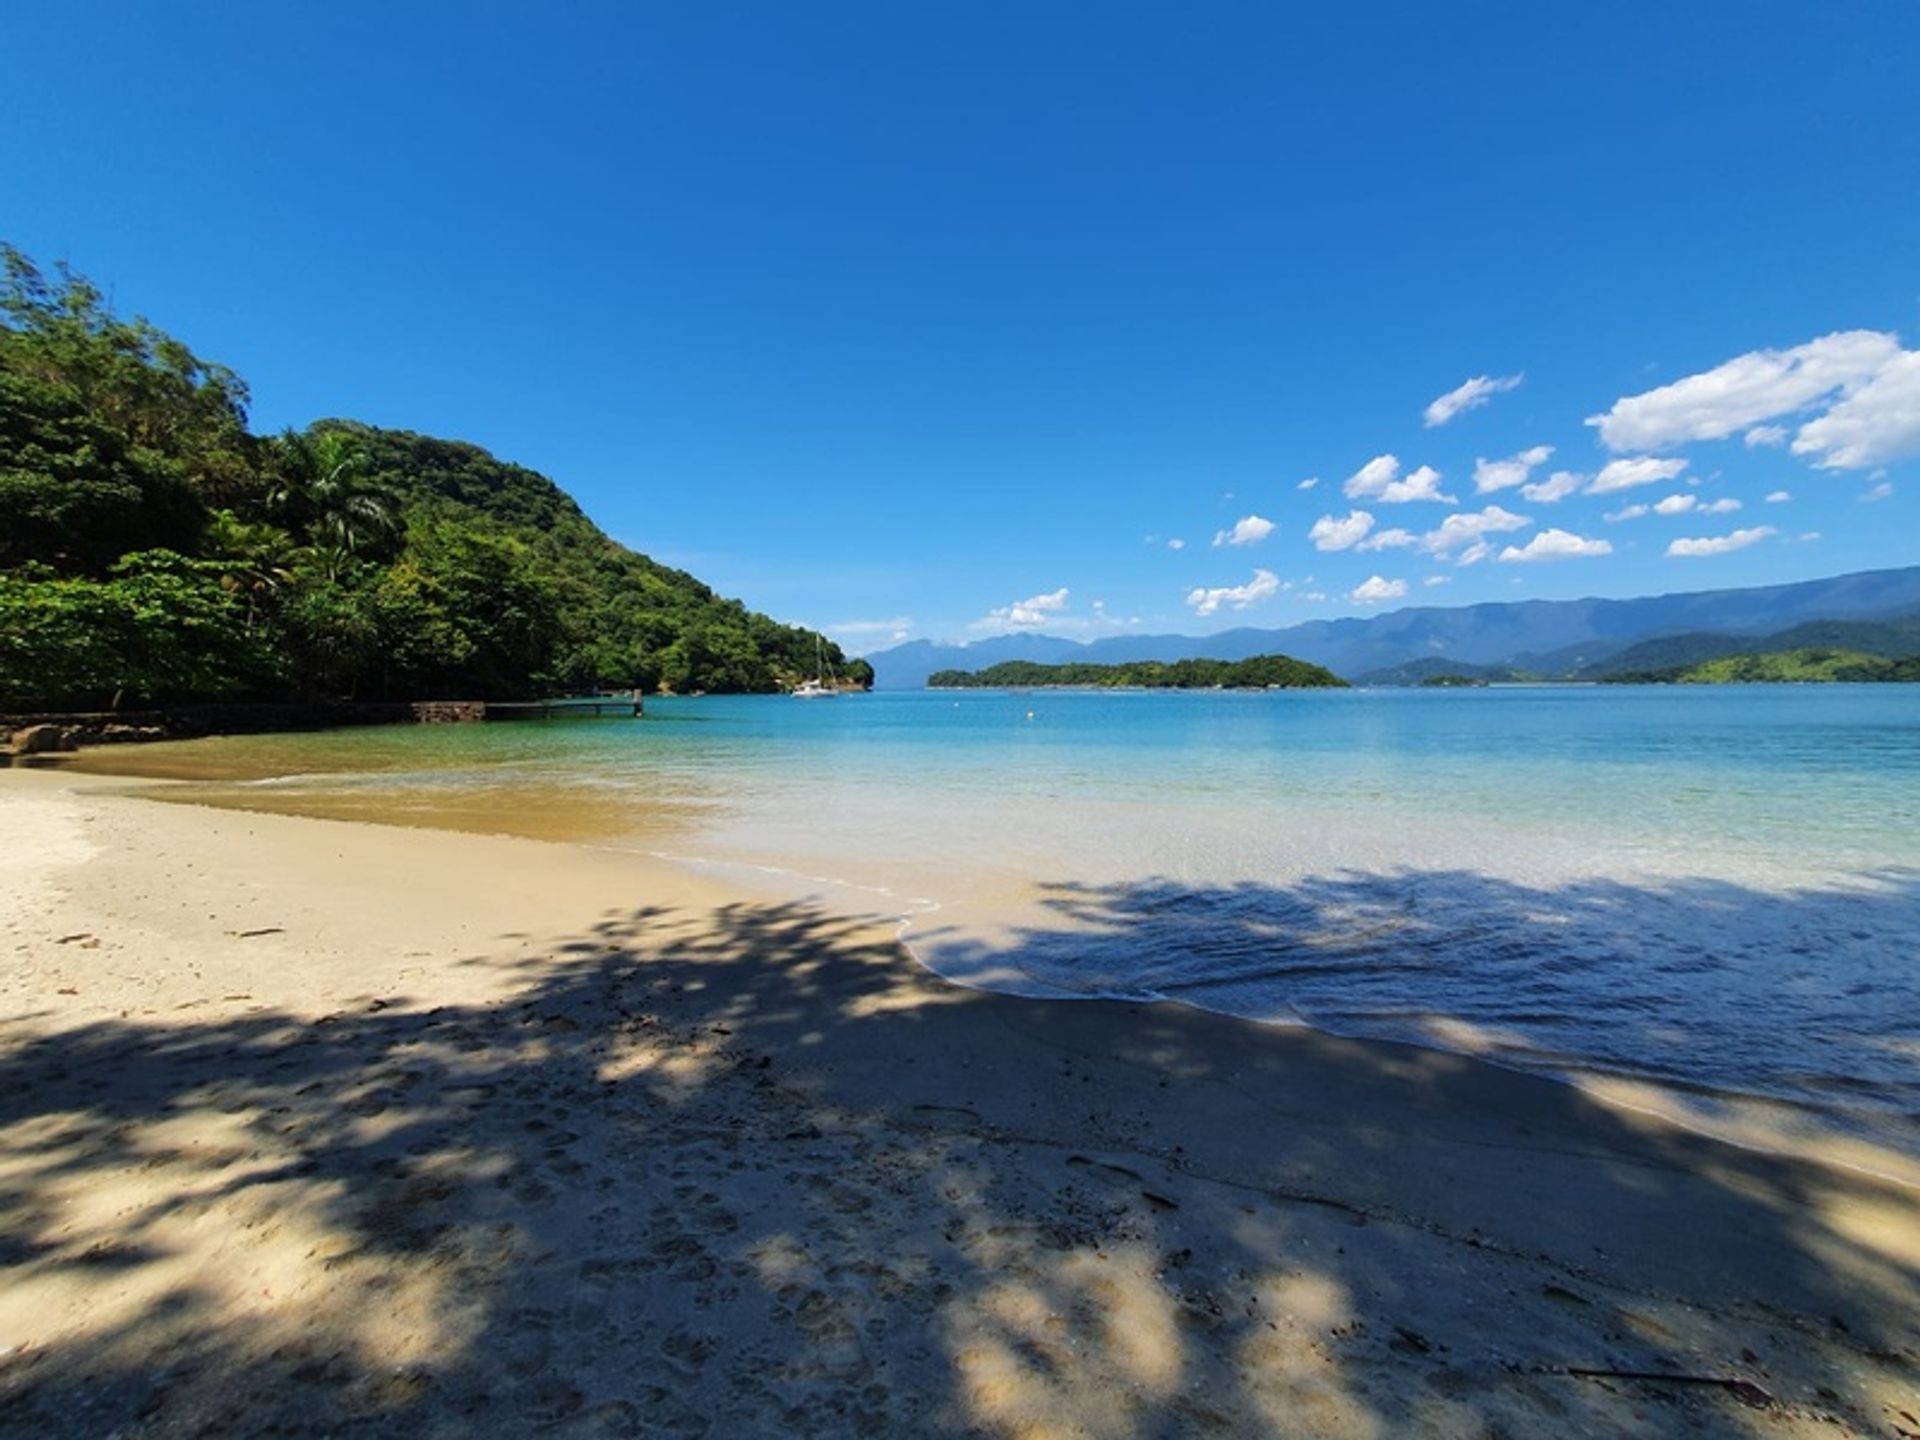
(943,320)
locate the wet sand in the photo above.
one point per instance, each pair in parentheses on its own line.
(311,1127)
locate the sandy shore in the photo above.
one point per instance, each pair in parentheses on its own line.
(315,1128)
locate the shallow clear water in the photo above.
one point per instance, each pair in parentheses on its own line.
(1716,890)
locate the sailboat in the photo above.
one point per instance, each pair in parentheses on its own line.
(817,688)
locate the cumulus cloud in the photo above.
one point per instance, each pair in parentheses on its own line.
(1024,614)
(1470,528)
(1874,425)
(1332,533)
(1720,544)
(1433,580)
(1388,540)
(1748,389)
(1378,479)
(1557,486)
(1263,586)
(1876,492)
(1625,474)
(1375,589)
(1725,505)
(1554,545)
(1766,435)
(1676,504)
(1626,512)
(1308,483)
(1779,497)
(1491,475)
(1248,530)
(1176,544)
(1470,395)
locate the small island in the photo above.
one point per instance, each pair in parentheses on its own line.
(1257,672)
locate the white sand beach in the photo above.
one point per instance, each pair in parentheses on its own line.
(311,1128)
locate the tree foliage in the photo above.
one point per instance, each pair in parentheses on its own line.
(153,548)
(1258,672)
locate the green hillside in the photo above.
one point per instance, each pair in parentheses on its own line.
(152,548)
(1655,658)
(1811,665)
(1258,672)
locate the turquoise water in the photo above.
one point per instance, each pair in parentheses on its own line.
(1713,890)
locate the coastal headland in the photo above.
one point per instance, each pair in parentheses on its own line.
(313,1127)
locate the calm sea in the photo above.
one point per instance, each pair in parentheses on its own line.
(1714,892)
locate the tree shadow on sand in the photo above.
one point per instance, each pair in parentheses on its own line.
(751,1172)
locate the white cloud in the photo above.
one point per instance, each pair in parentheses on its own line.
(1308,483)
(1375,589)
(1469,528)
(1629,512)
(1625,474)
(1378,480)
(1766,435)
(1778,497)
(1874,425)
(1176,544)
(895,629)
(1491,475)
(1721,544)
(1248,530)
(1388,540)
(1469,396)
(1746,390)
(1809,535)
(1329,533)
(1557,486)
(1876,492)
(1024,614)
(1433,580)
(1676,504)
(1725,505)
(1554,545)
(1263,586)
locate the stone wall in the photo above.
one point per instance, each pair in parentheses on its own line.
(448,712)
(185,722)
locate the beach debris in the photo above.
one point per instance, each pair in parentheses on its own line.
(75,938)
(255,934)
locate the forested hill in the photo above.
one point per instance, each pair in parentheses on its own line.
(1257,672)
(152,548)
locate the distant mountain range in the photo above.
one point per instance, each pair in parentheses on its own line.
(1561,638)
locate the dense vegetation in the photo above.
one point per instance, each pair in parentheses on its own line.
(1889,639)
(1259,672)
(152,548)
(1808,665)
(1432,670)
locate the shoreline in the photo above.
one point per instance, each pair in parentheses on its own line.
(1753,1120)
(1008,1215)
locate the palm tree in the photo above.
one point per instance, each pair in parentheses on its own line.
(324,494)
(256,558)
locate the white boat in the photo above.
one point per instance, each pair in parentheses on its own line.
(819,687)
